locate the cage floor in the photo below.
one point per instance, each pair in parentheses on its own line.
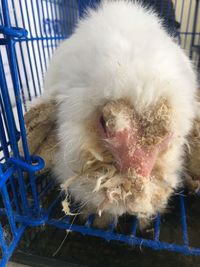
(92,251)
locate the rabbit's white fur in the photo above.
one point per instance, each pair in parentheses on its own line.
(119,51)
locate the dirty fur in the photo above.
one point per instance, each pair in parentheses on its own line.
(192,156)
(98,163)
(136,194)
(40,123)
(120,52)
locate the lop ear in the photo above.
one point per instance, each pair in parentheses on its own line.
(40,123)
(192,157)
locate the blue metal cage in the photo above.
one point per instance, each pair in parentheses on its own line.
(30,31)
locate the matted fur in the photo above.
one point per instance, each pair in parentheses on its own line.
(119,51)
(127,189)
(192,156)
(40,123)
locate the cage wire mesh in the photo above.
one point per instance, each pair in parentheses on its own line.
(30,31)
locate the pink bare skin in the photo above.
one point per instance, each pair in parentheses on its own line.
(127,150)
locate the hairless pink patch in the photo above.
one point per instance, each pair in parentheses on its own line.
(127,149)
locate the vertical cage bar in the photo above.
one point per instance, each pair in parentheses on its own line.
(33,48)
(6,155)
(3,241)
(53,24)
(90,220)
(38,48)
(8,208)
(41,34)
(22,56)
(20,82)
(194,26)
(187,24)
(28,52)
(134,226)
(47,43)
(63,16)
(183,221)
(58,21)
(157,228)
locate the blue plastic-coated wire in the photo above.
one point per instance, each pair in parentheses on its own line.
(12,131)
(157,245)
(63,20)
(183,221)
(31,39)
(54,203)
(14,76)
(10,249)
(43,17)
(157,228)
(162,8)
(181,14)
(6,156)
(3,110)
(3,41)
(7,205)
(196,10)
(20,83)
(90,220)
(190,33)
(1,17)
(57,29)
(74,20)
(53,22)
(13,31)
(112,226)
(38,48)
(8,208)
(3,241)
(38,163)
(28,52)
(5,176)
(22,56)
(41,35)
(187,27)
(134,226)
(32,221)
(47,188)
(64,17)
(21,121)
(7,107)
(168,12)
(33,49)
(198,56)
(68,23)
(50,31)
(14,191)
(110,230)
(3,139)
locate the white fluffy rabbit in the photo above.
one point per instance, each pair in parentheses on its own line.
(126,96)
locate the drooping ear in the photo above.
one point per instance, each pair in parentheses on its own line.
(40,123)
(192,158)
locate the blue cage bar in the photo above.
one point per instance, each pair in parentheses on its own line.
(30,31)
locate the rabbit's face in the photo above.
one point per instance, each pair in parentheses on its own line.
(118,162)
